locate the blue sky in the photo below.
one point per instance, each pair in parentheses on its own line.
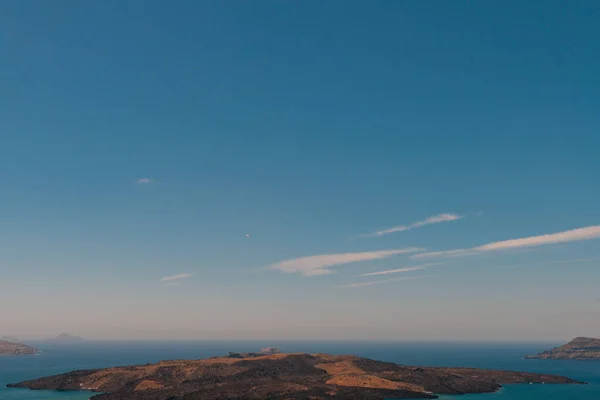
(142,140)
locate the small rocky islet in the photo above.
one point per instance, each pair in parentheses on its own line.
(282,376)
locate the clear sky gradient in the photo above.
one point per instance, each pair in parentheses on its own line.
(308,169)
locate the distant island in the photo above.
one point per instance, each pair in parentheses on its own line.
(270,350)
(283,376)
(10,339)
(15,349)
(580,348)
(263,352)
(66,338)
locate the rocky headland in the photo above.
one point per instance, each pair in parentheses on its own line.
(15,349)
(581,348)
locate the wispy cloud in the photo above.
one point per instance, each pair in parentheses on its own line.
(590,232)
(353,285)
(143,181)
(447,253)
(175,277)
(320,264)
(400,270)
(436,219)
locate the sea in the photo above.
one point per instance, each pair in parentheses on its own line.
(57,358)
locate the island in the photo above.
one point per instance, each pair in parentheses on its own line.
(580,348)
(15,349)
(66,338)
(270,350)
(10,339)
(283,376)
(263,352)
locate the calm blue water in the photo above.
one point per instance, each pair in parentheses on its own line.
(57,358)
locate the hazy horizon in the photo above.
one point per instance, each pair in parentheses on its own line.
(339,335)
(300,333)
(300,170)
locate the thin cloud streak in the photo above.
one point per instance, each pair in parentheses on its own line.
(361,284)
(143,181)
(175,277)
(588,233)
(320,264)
(447,253)
(436,219)
(591,232)
(393,271)
(400,270)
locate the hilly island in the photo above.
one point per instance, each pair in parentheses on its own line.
(15,349)
(283,376)
(580,348)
